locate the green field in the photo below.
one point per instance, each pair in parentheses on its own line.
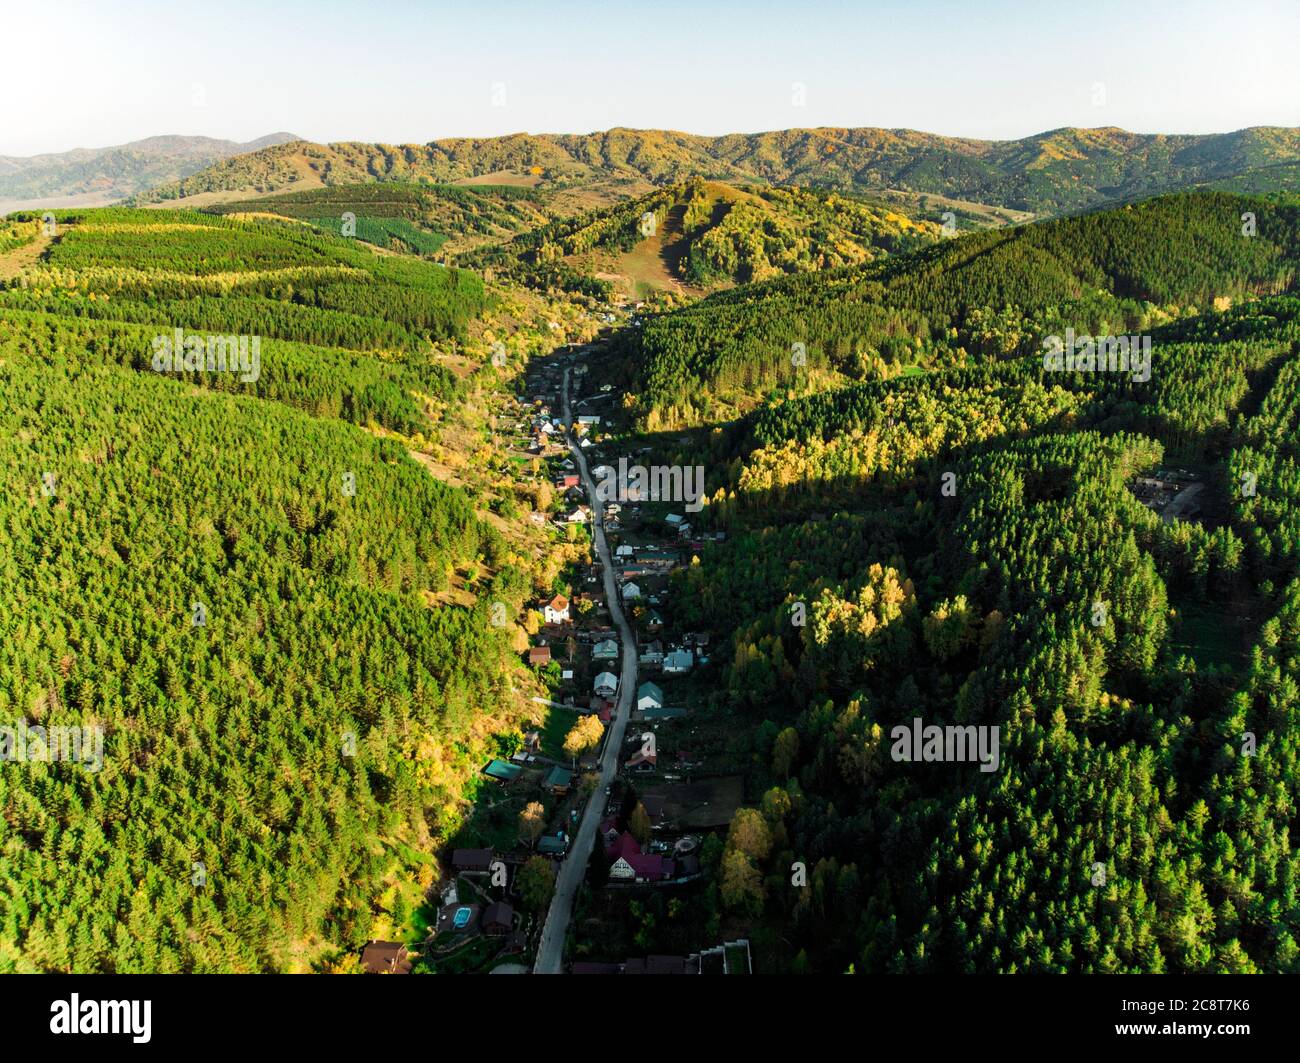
(386,232)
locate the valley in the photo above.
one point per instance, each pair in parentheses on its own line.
(433,695)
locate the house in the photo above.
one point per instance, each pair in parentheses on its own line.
(588,419)
(651,867)
(679,523)
(641,761)
(608,830)
(556,611)
(566,480)
(606,685)
(623,846)
(624,551)
(596,598)
(472,861)
(576,516)
(539,656)
(648,695)
(631,591)
(652,653)
(385,957)
(498,918)
(502,771)
(632,865)
(653,621)
(606,650)
(558,781)
(678,661)
(553,844)
(622,870)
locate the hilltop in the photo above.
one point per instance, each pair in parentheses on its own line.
(699,235)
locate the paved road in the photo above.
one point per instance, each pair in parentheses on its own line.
(550,950)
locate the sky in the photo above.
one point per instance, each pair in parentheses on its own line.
(90,74)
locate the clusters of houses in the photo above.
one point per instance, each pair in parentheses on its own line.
(578,631)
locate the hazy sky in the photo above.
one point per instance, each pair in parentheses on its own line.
(96,73)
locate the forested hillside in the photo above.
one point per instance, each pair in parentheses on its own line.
(987,295)
(967,548)
(1059,171)
(279,281)
(242,586)
(705,234)
(417,218)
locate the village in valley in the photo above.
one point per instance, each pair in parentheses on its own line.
(675,789)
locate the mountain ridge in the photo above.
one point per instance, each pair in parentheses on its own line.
(1056,171)
(89,176)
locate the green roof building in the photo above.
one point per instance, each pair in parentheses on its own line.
(558,779)
(502,772)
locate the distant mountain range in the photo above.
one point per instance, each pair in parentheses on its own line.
(1056,172)
(103,175)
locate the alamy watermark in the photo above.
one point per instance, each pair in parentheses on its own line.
(77,1016)
(1098,354)
(22,744)
(951,744)
(181,353)
(657,483)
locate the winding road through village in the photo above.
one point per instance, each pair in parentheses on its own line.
(550,949)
